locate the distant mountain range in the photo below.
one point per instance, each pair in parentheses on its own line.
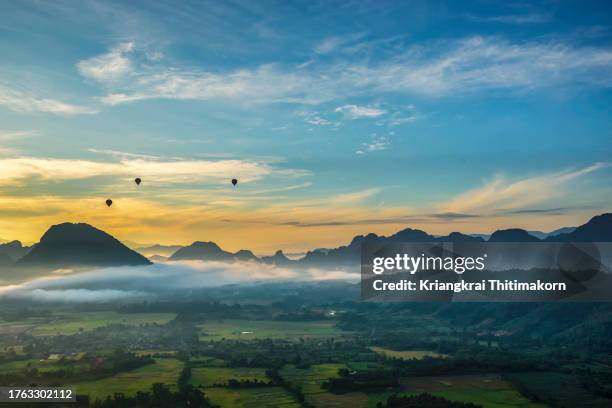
(211,252)
(68,245)
(160,250)
(598,229)
(559,231)
(537,234)
(13,250)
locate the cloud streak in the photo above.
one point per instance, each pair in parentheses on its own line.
(518,194)
(15,170)
(134,283)
(523,18)
(437,69)
(377,144)
(20,101)
(357,112)
(109,66)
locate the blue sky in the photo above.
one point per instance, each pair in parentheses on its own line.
(337,117)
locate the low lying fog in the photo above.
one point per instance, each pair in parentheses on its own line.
(118,283)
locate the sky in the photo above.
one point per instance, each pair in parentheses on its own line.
(337,118)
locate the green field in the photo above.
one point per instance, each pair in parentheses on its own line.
(17,365)
(41,365)
(488,390)
(165,370)
(364,365)
(209,376)
(158,353)
(74,322)
(262,329)
(207,361)
(18,327)
(407,354)
(560,387)
(310,380)
(265,397)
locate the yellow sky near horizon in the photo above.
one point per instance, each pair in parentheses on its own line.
(271,208)
(262,230)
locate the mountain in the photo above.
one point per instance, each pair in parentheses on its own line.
(158,258)
(209,251)
(6,260)
(81,244)
(163,250)
(278,258)
(410,235)
(14,250)
(512,235)
(598,229)
(484,237)
(459,237)
(544,235)
(245,255)
(350,255)
(204,251)
(68,245)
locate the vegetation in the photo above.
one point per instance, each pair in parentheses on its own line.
(129,382)
(75,322)
(159,396)
(308,351)
(424,400)
(407,354)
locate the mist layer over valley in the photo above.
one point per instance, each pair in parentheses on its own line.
(165,279)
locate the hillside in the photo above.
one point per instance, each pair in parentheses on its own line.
(14,250)
(67,245)
(203,251)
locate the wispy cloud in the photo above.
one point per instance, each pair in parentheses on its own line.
(481,63)
(519,18)
(354,197)
(265,84)
(407,114)
(15,170)
(356,111)
(555,211)
(400,220)
(377,144)
(518,194)
(318,121)
(436,69)
(20,101)
(333,44)
(16,135)
(316,118)
(106,67)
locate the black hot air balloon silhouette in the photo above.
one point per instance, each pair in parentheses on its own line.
(138,180)
(109,202)
(234,182)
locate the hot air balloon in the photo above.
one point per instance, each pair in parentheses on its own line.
(234,182)
(109,202)
(138,180)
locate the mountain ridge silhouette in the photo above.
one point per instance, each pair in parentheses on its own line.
(598,228)
(80,244)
